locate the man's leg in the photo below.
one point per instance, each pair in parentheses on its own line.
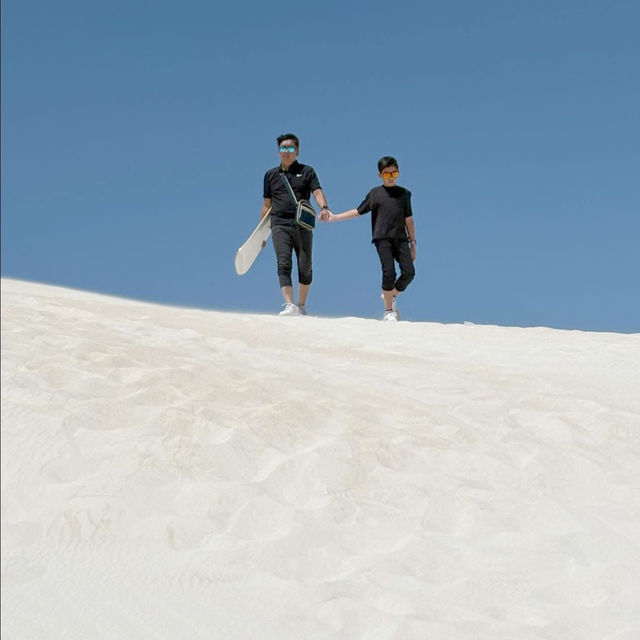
(283,246)
(303,292)
(304,255)
(287,294)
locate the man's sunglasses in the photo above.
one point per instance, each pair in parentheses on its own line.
(390,174)
(289,149)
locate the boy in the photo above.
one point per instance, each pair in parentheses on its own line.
(392,231)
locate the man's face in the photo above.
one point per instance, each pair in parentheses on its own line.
(389,176)
(288,151)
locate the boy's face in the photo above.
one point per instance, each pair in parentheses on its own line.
(389,176)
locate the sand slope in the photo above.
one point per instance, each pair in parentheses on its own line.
(176,473)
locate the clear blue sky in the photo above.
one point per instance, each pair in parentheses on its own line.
(135,136)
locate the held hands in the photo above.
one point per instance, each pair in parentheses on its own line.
(326,215)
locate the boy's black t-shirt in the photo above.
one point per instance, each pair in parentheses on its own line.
(389,207)
(303,181)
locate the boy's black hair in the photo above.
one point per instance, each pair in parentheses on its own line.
(385,162)
(289,136)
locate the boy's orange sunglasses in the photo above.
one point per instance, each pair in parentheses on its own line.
(390,174)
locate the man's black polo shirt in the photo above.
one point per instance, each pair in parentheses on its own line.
(303,181)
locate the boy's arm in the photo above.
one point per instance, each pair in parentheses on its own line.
(411,231)
(345,215)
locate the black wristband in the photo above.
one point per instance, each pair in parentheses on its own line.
(324,207)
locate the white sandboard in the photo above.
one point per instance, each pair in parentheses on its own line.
(249,251)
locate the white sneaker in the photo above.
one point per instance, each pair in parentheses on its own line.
(289,310)
(390,316)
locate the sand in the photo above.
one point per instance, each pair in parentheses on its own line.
(180,473)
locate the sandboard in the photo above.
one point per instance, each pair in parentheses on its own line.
(249,251)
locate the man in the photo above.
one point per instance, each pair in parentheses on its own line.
(287,236)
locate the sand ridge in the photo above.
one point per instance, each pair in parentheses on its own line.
(170,472)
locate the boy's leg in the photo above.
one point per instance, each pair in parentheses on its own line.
(385,253)
(387,298)
(407,269)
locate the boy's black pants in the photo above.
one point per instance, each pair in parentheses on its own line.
(395,250)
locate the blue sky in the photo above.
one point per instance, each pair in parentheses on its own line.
(135,136)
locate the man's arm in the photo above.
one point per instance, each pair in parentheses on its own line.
(320,199)
(319,196)
(411,230)
(266,205)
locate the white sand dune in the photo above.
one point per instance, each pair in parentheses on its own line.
(176,473)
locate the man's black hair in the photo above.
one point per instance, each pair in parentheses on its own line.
(289,136)
(385,162)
